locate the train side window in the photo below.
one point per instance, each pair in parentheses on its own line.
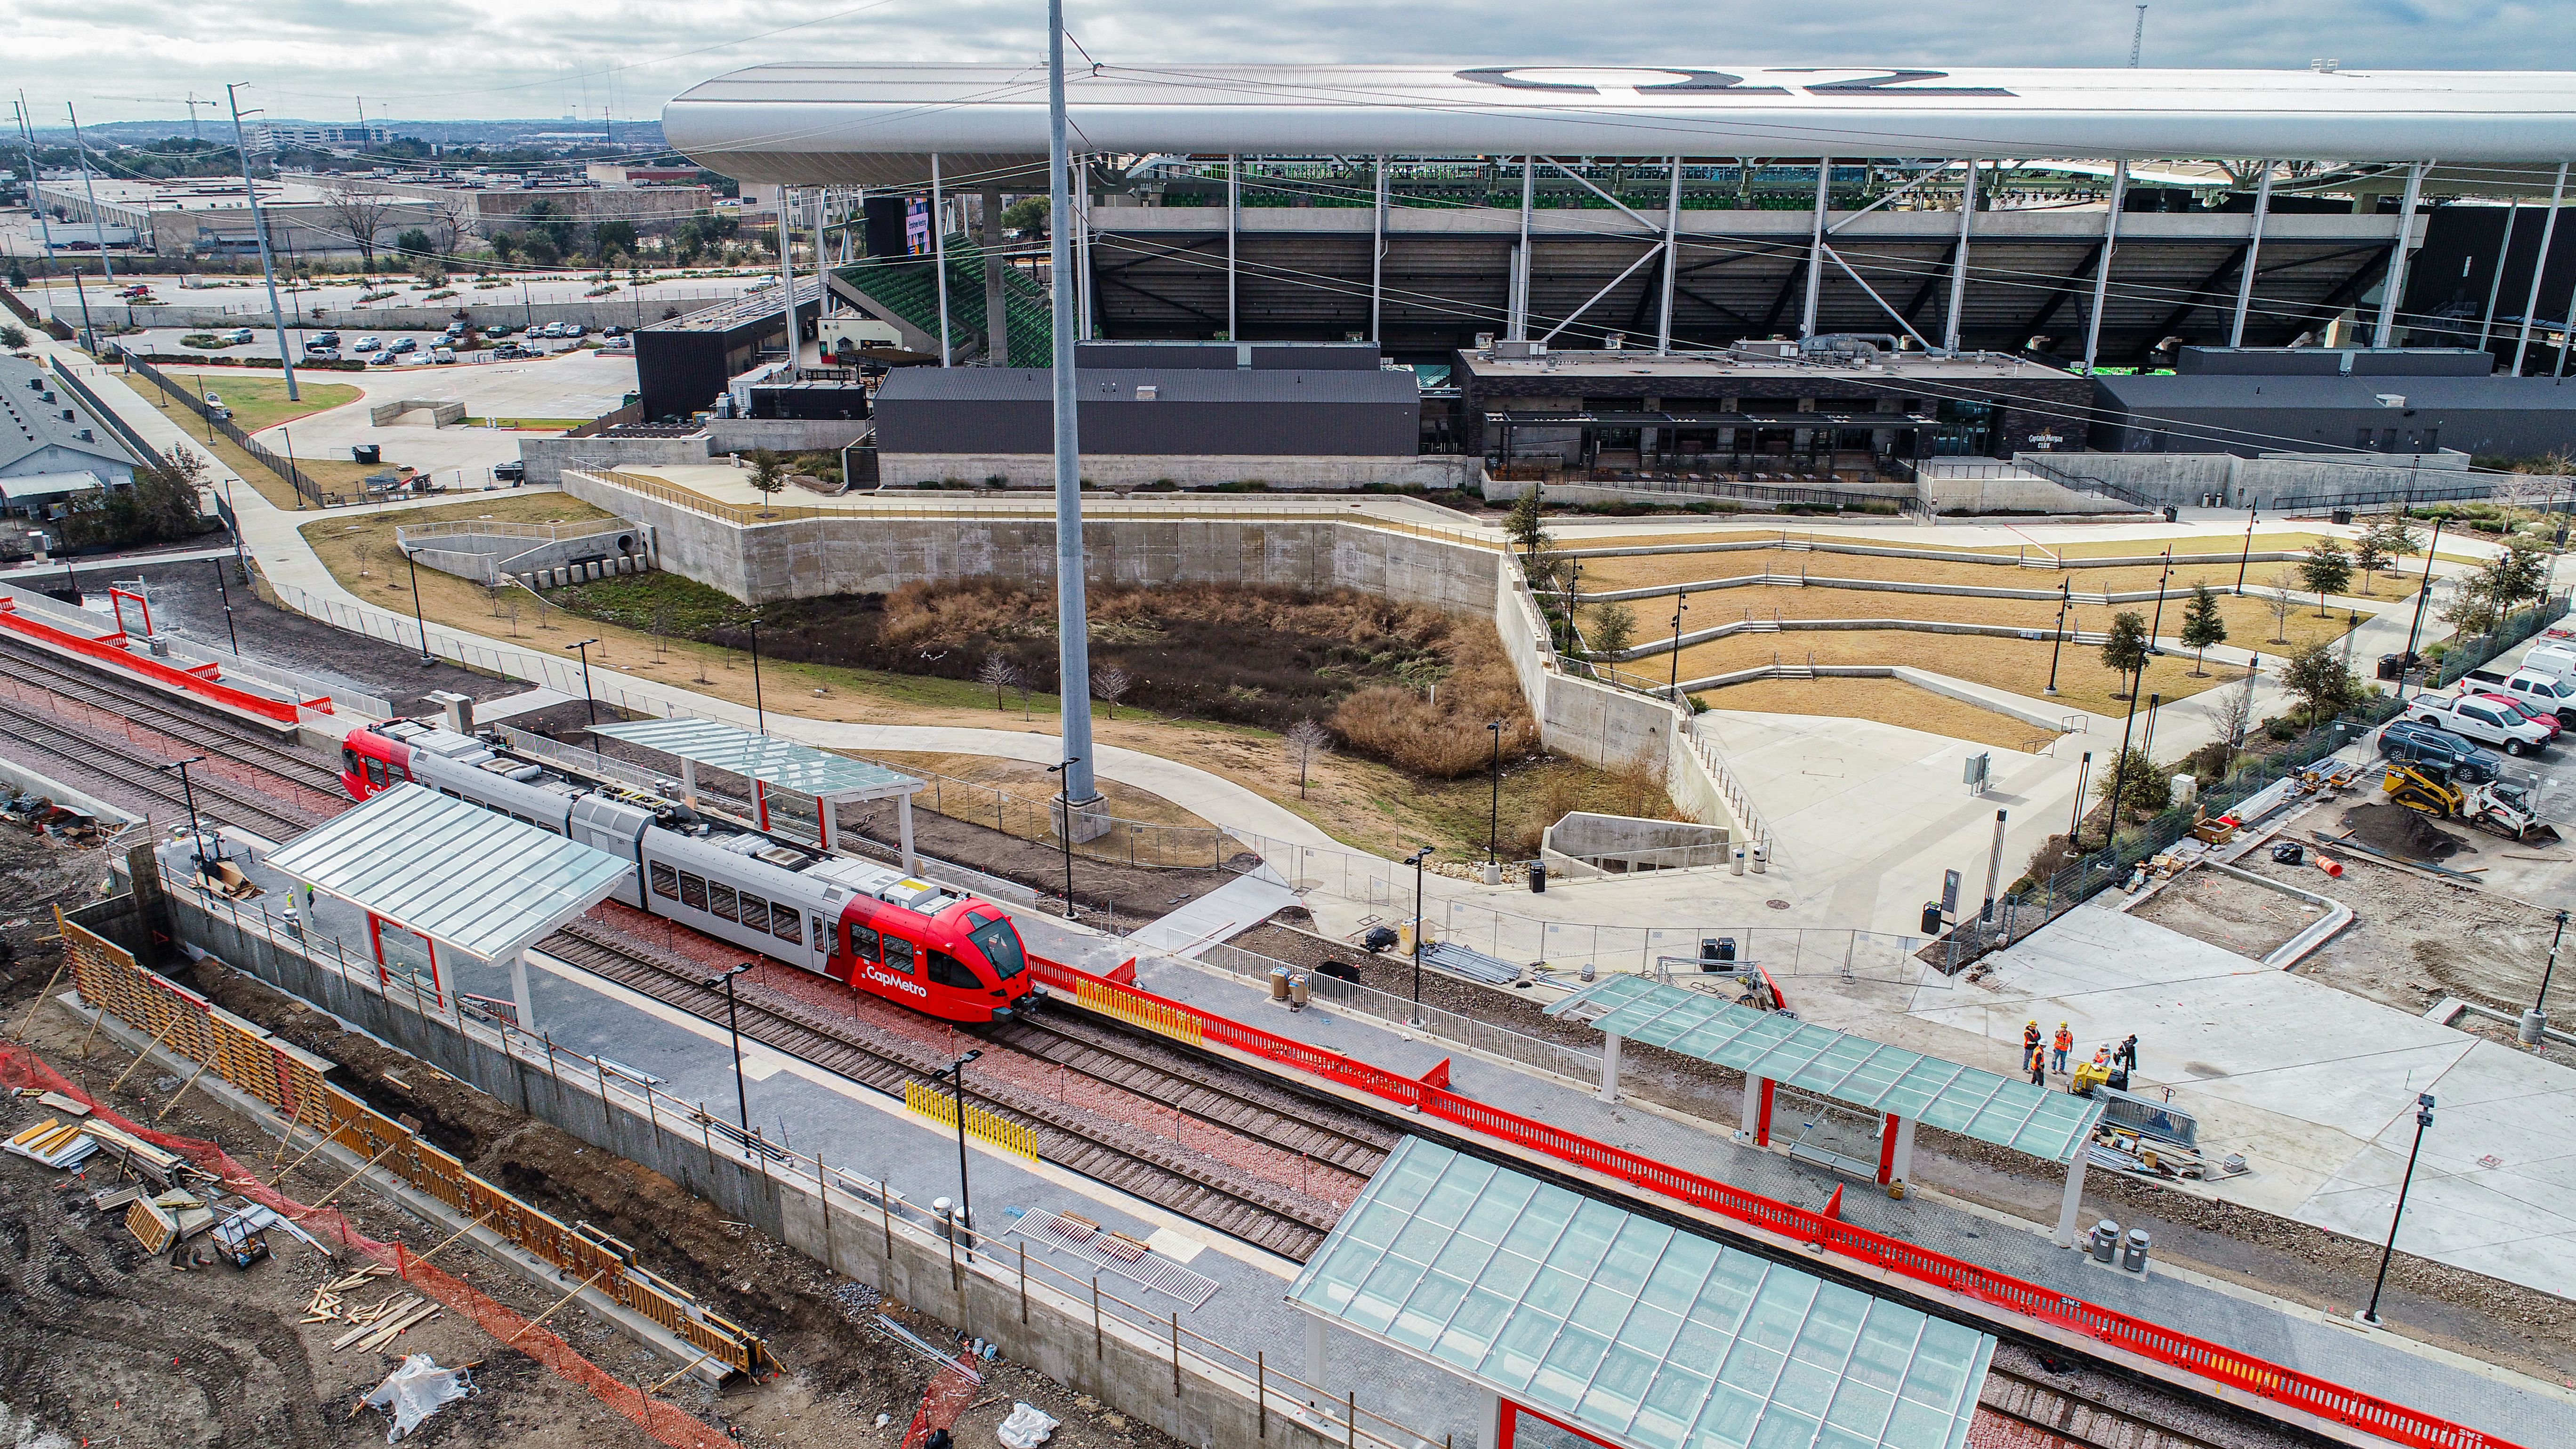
(755,912)
(720,903)
(666,881)
(863,942)
(375,772)
(693,891)
(898,954)
(787,925)
(947,970)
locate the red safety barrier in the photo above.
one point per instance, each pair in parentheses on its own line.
(2220,1365)
(184,680)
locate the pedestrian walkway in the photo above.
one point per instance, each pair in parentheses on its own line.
(1229,910)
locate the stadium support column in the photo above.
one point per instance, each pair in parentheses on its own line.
(1073,632)
(1233,220)
(787,272)
(1520,284)
(2254,255)
(1959,261)
(1816,246)
(1377,256)
(2531,303)
(2393,286)
(997,317)
(1673,257)
(2495,271)
(1082,252)
(2102,263)
(939,262)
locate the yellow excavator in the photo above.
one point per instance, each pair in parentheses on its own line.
(2497,808)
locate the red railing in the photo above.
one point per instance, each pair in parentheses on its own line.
(191,681)
(2243,1372)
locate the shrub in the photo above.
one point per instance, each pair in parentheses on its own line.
(2280,730)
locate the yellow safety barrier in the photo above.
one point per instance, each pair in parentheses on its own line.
(941,1107)
(1152,1016)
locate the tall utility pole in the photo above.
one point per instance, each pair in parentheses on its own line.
(267,268)
(27,137)
(2138,37)
(97,223)
(1073,627)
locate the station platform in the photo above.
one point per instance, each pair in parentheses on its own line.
(808,1107)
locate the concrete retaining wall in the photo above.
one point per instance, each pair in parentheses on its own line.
(440,413)
(1125,1366)
(546,458)
(1037,470)
(2019,495)
(784,435)
(2183,479)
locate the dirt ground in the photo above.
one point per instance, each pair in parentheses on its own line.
(2501,1322)
(2228,913)
(1889,701)
(2415,940)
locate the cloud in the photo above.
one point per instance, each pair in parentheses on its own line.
(470,59)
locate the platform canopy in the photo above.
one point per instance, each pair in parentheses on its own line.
(781,764)
(1628,1329)
(468,878)
(1853,1070)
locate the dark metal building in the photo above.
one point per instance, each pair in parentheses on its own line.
(1166,411)
(2249,401)
(682,364)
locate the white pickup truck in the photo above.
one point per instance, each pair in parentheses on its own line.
(2537,690)
(2479,720)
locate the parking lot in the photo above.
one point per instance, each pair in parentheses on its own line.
(263,343)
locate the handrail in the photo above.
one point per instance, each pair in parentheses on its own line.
(2288,1387)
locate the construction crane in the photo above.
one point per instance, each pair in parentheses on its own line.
(2138,37)
(191,103)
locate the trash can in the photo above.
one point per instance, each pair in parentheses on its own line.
(1716,948)
(2105,1242)
(2388,666)
(1538,877)
(1931,918)
(367,452)
(1736,853)
(1279,983)
(2342,515)
(2133,1256)
(2172,513)
(1761,858)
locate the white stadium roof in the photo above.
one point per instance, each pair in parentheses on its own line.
(878,124)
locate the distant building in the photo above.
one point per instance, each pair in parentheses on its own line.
(2251,401)
(51,448)
(276,137)
(497,201)
(212,214)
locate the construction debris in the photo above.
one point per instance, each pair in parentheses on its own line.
(416,1390)
(55,1143)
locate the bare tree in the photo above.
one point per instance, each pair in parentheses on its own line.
(363,549)
(358,215)
(1112,685)
(997,675)
(454,219)
(2282,598)
(510,610)
(1304,741)
(2230,711)
(661,629)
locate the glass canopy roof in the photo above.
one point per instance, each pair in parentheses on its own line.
(1630,1329)
(464,876)
(785,764)
(1973,1102)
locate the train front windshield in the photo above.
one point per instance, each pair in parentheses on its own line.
(1001,946)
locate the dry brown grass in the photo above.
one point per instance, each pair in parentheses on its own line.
(1605,575)
(1888,701)
(1443,733)
(2018,665)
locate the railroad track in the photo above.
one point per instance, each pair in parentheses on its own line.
(217,799)
(1138,1163)
(37,668)
(2072,1419)
(1254,1109)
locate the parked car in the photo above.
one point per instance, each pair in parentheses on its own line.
(612,330)
(510,351)
(323,351)
(2473,718)
(496,329)
(2543,691)
(2423,744)
(404,344)
(238,336)
(442,355)
(384,359)
(368,344)
(325,339)
(618,344)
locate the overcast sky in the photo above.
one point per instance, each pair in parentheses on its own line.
(476,59)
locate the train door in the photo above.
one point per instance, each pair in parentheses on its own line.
(406,961)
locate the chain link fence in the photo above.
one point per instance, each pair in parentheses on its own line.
(306,490)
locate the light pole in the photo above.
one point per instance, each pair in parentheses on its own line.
(955,1072)
(2246,555)
(759,714)
(188,792)
(2147,746)
(420,621)
(1415,860)
(1680,604)
(2075,820)
(582,648)
(84,306)
(226,593)
(2423,592)
(1064,825)
(2065,599)
(2163,582)
(1494,809)
(2536,1020)
(2423,1119)
(733,1024)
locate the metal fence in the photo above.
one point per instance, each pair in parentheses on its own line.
(2474,651)
(306,490)
(1460,1030)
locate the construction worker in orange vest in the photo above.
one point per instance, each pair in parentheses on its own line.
(2059,1046)
(2029,1041)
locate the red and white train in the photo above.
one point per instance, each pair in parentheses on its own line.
(868,926)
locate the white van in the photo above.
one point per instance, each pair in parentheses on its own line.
(2558,661)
